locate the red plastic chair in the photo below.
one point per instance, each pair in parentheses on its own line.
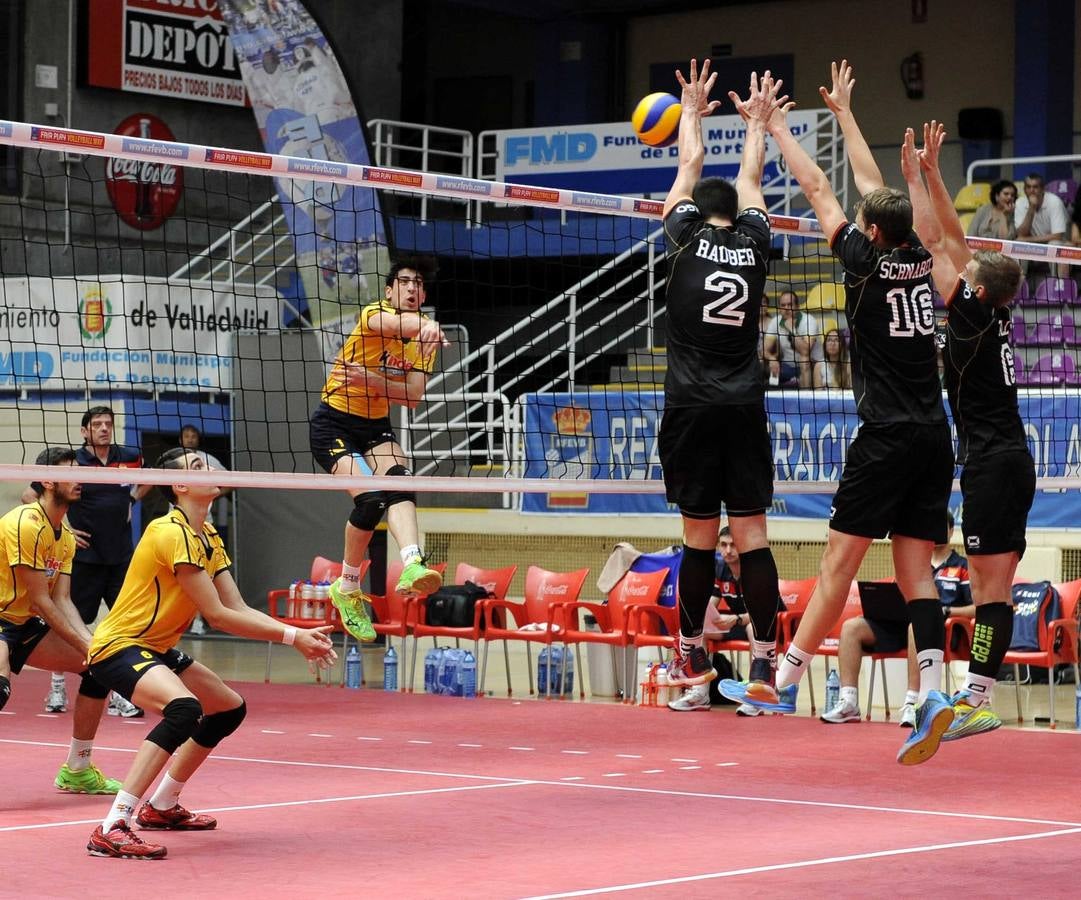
(393,614)
(632,589)
(545,592)
(649,625)
(831,642)
(495,581)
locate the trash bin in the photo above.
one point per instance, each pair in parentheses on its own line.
(601,660)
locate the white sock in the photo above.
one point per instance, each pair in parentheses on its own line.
(58,679)
(350,573)
(122,810)
(410,554)
(765,650)
(79,755)
(687,644)
(851,696)
(980,687)
(930,664)
(911,697)
(168,793)
(792,666)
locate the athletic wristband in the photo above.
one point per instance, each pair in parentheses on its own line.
(289,636)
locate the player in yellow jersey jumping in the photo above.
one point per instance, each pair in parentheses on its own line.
(386,360)
(179,568)
(39,624)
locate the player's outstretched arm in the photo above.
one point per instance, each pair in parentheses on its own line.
(924,220)
(838,98)
(812,180)
(696,105)
(953,235)
(755,111)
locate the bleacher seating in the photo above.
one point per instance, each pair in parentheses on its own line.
(1064,188)
(825,296)
(972,196)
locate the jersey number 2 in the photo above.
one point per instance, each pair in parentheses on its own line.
(727,309)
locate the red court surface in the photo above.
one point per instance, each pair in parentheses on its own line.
(332,793)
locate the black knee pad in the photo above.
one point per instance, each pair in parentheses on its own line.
(91,687)
(179,720)
(218,726)
(367,510)
(5,690)
(400,496)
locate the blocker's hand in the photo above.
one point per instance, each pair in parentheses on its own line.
(315,645)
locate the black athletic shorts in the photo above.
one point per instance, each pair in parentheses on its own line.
(122,671)
(22,639)
(714,455)
(896,481)
(889,636)
(997,492)
(334,434)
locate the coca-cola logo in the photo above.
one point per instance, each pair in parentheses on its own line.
(144,193)
(554,589)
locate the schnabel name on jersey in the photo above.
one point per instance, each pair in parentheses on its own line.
(891,270)
(725,256)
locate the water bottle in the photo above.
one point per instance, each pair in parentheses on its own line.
(469,675)
(322,593)
(542,671)
(307,595)
(352,667)
(390,670)
(431,669)
(294,590)
(833,689)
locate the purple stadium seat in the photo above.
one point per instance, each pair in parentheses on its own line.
(1064,188)
(1056,292)
(1071,330)
(1051,370)
(1024,293)
(1018,330)
(1049,331)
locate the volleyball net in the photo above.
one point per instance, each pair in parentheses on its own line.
(549,395)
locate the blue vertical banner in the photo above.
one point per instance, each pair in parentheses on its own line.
(303,108)
(613,435)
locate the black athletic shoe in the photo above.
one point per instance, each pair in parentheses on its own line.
(694,668)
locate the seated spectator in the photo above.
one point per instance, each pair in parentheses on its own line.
(1041,218)
(1066,271)
(791,343)
(862,635)
(833,370)
(996,219)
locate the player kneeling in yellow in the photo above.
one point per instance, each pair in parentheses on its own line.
(39,624)
(180,568)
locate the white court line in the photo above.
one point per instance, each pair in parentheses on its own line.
(571,778)
(521,748)
(576,752)
(651,771)
(688,768)
(272,731)
(614,775)
(369,739)
(878,854)
(318,734)
(284,803)
(418,742)
(679,759)
(600,787)
(629,755)
(471,745)
(727,764)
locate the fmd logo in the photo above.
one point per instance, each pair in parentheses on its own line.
(545,149)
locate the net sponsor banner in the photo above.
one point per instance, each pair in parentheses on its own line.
(169,48)
(305,111)
(62,333)
(613,436)
(610,157)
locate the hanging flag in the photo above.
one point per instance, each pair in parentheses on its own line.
(303,108)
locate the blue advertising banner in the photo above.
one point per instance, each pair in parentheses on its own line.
(613,435)
(303,107)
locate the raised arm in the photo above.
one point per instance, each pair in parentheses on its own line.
(953,235)
(924,220)
(865,170)
(812,180)
(755,112)
(696,105)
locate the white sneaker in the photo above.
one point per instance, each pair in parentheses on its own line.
(119,706)
(745,709)
(198,626)
(57,701)
(842,712)
(693,699)
(908,715)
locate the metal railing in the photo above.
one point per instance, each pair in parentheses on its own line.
(1016,160)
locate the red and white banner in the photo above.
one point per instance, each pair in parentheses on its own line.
(170,48)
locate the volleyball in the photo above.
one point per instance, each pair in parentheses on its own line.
(656,119)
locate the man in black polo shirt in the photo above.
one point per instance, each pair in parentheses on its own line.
(899,469)
(102,525)
(713,443)
(998,478)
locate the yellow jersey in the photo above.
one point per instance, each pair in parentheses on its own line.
(152,609)
(27,538)
(394,357)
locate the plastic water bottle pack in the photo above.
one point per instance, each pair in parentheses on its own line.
(833,689)
(549,662)
(352,667)
(390,669)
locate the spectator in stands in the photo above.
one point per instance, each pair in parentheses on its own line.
(1065,271)
(863,635)
(833,370)
(791,343)
(1041,219)
(996,219)
(765,317)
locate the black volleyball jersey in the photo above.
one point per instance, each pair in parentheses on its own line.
(980,377)
(716,277)
(889,303)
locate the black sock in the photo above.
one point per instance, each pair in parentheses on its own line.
(928,626)
(758,578)
(696,576)
(991,638)
(5,690)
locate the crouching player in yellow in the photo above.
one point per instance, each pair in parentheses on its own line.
(180,568)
